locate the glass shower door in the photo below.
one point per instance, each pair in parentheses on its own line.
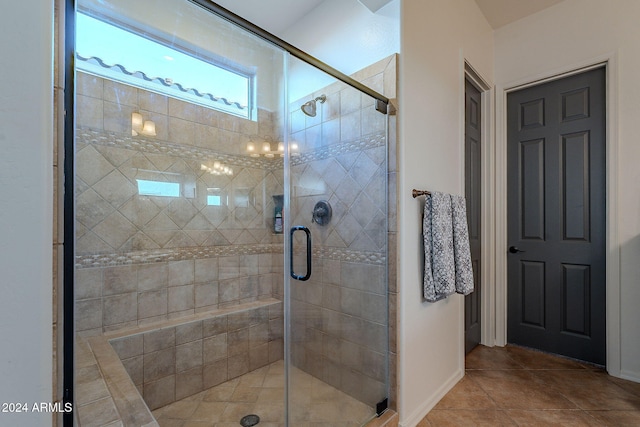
(241,183)
(337,250)
(177,262)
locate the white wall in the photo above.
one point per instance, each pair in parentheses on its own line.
(570,34)
(344,34)
(26,218)
(436,35)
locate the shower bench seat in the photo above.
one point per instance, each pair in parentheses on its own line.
(123,375)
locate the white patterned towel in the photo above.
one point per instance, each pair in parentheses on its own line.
(461,250)
(437,230)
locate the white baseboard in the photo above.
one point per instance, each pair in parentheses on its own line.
(629,375)
(424,409)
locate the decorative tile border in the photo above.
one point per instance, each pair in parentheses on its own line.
(350,255)
(147,145)
(194,252)
(369,141)
(174,254)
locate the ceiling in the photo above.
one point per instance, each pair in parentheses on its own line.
(503,12)
(276,16)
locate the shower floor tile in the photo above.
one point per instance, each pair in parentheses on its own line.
(261,392)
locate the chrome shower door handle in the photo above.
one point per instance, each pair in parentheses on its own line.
(308,233)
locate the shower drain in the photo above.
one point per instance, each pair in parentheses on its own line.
(249,420)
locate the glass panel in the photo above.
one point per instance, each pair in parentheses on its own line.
(183,217)
(339,332)
(178,267)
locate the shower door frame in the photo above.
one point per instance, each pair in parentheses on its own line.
(382,102)
(68,26)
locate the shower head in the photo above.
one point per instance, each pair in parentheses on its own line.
(309,107)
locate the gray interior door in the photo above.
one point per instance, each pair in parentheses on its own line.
(472,194)
(556,216)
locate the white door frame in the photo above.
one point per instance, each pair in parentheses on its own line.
(612,241)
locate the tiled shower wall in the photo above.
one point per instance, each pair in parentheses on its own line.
(145,258)
(340,314)
(343,337)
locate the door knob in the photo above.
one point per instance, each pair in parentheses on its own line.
(514,250)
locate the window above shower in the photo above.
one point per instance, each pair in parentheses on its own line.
(134,56)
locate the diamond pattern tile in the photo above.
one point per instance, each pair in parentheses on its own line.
(91,208)
(159,162)
(139,242)
(334,240)
(376,187)
(271,184)
(245,238)
(215,214)
(347,160)
(132,168)
(363,170)
(261,235)
(320,166)
(161,222)
(180,239)
(181,167)
(216,239)
(181,212)
(378,155)
(363,242)
(310,183)
(348,190)
(161,237)
(139,210)
(215,181)
(89,242)
(334,174)
(303,209)
(115,155)
(109,164)
(377,231)
(244,179)
(198,236)
(362,209)
(348,229)
(231,235)
(244,217)
(115,230)
(115,188)
(91,165)
(199,222)
(81,187)
(80,229)
(339,209)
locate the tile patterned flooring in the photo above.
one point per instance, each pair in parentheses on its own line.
(261,392)
(512,386)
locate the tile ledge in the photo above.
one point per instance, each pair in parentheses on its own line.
(169,323)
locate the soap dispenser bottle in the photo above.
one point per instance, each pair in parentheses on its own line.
(277,223)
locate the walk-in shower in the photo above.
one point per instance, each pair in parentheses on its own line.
(208,286)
